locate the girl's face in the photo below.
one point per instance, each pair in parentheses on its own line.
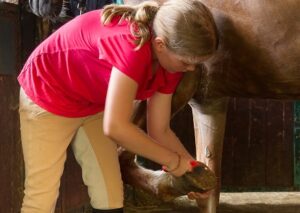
(171,61)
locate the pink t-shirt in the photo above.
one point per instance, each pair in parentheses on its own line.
(69,72)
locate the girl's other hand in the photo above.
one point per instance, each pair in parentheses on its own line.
(199,195)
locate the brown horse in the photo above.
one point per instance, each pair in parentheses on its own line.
(259,56)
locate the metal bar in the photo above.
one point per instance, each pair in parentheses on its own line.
(297,144)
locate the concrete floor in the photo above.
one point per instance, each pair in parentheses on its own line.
(262,202)
(246,202)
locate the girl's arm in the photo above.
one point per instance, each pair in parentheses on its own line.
(118,126)
(158,124)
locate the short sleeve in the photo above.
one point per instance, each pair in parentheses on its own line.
(171,82)
(118,50)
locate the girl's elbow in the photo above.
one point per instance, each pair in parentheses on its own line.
(114,130)
(109,129)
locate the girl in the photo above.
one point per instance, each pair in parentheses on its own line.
(86,76)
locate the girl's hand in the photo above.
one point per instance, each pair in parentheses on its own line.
(199,195)
(179,166)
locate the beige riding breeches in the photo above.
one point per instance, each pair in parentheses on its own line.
(45,138)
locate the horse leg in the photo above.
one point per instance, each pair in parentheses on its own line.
(158,183)
(156,187)
(209,125)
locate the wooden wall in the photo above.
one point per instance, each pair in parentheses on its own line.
(22,30)
(11,169)
(258,143)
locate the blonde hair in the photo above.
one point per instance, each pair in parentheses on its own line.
(140,15)
(187,26)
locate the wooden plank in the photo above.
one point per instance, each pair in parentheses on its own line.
(10,57)
(279,144)
(28,34)
(11,170)
(257,149)
(256,146)
(12,167)
(241,131)
(230,140)
(182,125)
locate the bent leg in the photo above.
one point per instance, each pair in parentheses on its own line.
(98,158)
(209,125)
(45,138)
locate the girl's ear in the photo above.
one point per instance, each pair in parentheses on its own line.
(159,44)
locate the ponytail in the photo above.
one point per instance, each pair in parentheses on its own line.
(141,17)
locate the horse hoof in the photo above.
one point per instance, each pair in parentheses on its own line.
(201,179)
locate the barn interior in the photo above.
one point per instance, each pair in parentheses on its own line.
(261,154)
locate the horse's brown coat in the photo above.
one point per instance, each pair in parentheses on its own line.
(258,56)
